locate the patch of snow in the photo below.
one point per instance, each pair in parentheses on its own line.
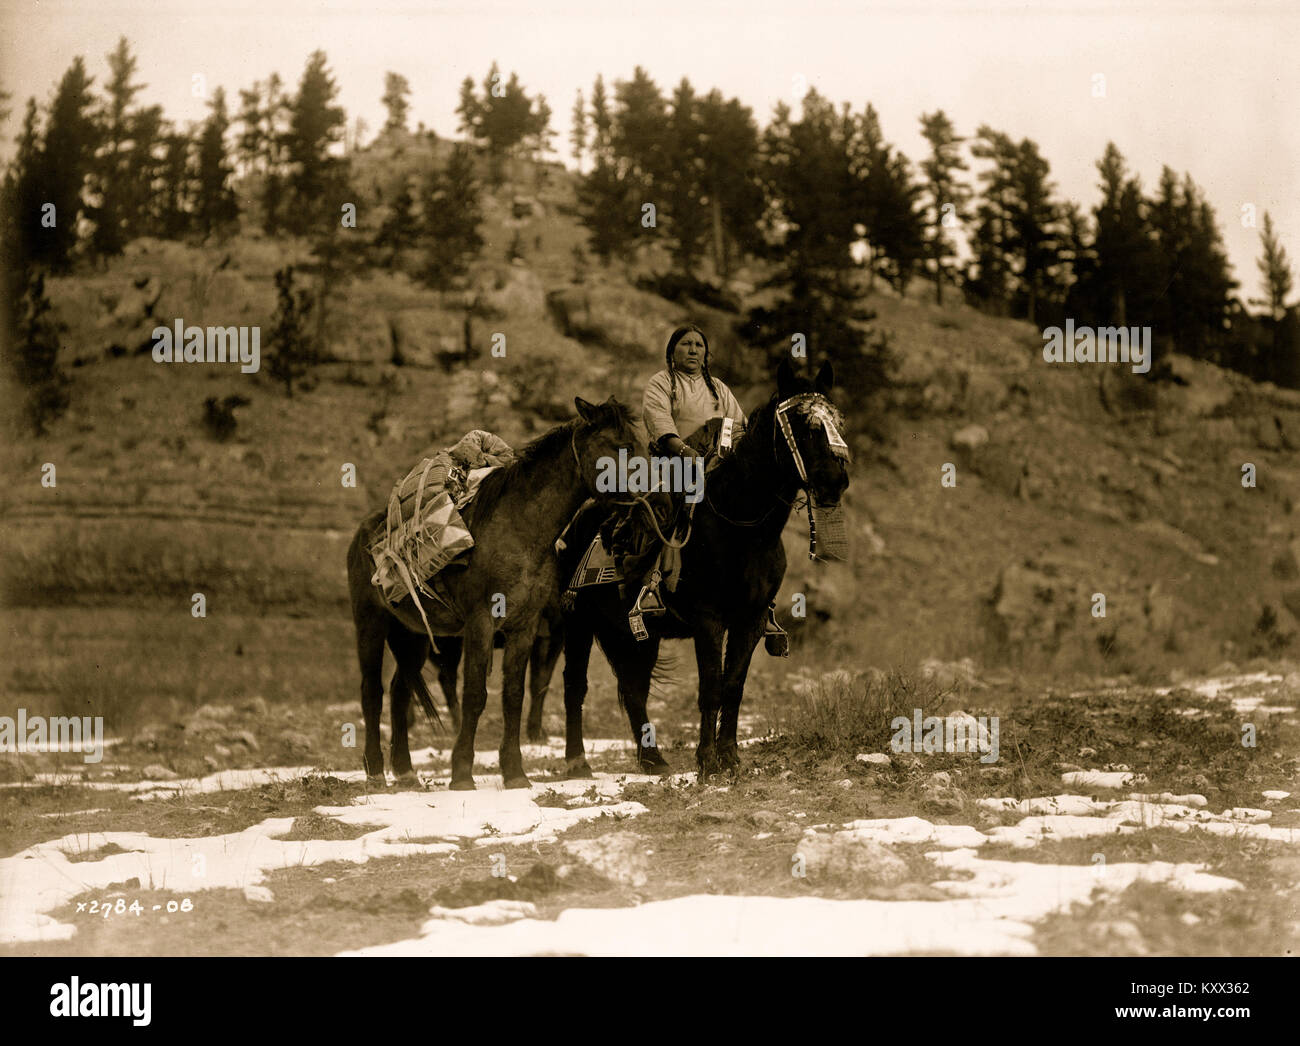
(1047,804)
(915,830)
(1098,778)
(490,759)
(991,914)
(77,813)
(1190,799)
(489,913)
(41,878)
(873,758)
(221,781)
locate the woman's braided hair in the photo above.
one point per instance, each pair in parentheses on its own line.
(673,339)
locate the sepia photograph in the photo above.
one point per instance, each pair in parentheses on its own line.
(690,479)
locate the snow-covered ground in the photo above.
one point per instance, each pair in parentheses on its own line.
(987,907)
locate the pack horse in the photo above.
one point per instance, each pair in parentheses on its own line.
(517,513)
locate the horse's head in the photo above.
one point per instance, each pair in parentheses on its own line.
(601,432)
(809,433)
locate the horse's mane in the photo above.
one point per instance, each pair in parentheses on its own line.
(759,428)
(544,448)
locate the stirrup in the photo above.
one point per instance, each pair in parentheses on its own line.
(649,602)
(775,639)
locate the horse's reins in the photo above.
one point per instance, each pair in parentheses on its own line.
(641,500)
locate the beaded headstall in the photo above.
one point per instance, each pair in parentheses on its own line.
(827,534)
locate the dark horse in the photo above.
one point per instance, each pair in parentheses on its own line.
(507,580)
(732,567)
(547,646)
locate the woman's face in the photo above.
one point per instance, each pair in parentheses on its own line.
(688,355)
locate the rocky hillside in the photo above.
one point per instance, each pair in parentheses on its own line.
(1071,481)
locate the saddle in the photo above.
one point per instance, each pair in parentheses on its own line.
(631,553)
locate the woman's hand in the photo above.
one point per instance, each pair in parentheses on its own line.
(676,446)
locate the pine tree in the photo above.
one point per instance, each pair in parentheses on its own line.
(578,130)
(20,208)
(291,347)
(947,196)
(37,338)
(400,229)
(1033,225)
(992,240)
(250,144)
(639,133)
(1275,267)
(145,167)
(815,193)
(540,133)
(116,190)
(1284,363)
(604,198)
(1191,267)
(729,153)
(175,203)
(897,224)
(71,137)
(452,215)
(608,211)
(681,197)
(602,123)
(215,207)
(505,119)
(316,124)
(396,91)
(1123,243)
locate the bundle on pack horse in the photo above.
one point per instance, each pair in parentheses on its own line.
(732,566)
(515,518)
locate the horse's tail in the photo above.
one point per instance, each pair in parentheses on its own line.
(415,680)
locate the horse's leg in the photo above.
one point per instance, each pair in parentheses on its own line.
(410,650)
(634,663)
(478,660)
(514,663)
(577,655)
(541,666)
(742,638)
(709,638)
(372,625)
(448,661)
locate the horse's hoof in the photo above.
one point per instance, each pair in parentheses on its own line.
(577,768)
(518,782)
(462,786)
(654,764)
(376,781)
(537,737)
(409,782)
(707,764)
(729,759)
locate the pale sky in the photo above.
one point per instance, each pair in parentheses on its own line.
(1210,88)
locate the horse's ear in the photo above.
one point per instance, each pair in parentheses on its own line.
(585,409)
(825,380)
(784,379)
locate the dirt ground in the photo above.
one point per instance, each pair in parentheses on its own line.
(1119,818)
